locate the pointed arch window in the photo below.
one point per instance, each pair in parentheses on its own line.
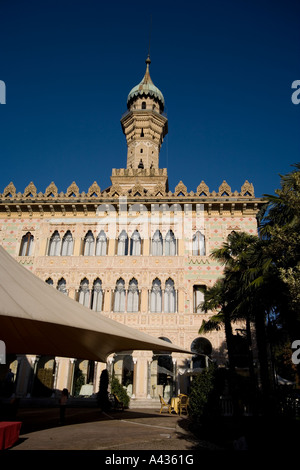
(101,244)
(67,244)
(156,297)
(84,293)
(122,244)
(157,244)
(135,244)
(133,296)
(26,245)
(97,296)
(62,286)
(120,295)
(170,244)
(54,244)
(169,297)
(198,244)
(89,244)
(49,281)
(198,298)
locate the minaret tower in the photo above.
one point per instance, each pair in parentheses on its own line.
(144,124)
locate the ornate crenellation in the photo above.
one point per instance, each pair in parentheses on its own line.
(158,189)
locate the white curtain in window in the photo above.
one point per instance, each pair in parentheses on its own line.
(67,244)
(97,296)
(84,293)
(198,244)
(156,297)
(89,244)
(123,244)
(169,297)
(198,299)
(54,245)
(119,301)
(62,286)
(157,244)
(135,244)
(26,245)
(101,244)
(133,296)
(170,244)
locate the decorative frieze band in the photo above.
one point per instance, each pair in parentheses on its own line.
(116,190)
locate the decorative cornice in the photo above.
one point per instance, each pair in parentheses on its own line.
(136,190)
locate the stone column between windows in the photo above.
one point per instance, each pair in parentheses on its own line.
(70,380)
(134,385)
(34,362)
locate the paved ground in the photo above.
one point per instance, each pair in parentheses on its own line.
(91,429)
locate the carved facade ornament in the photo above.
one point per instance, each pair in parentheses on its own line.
(116,190)
(72,189)
(94,190)
(159,190)
(137,190)
(10,190)
(51,190)
(203,189)
(30,190)
(180,189)
(224,189)
(247,189)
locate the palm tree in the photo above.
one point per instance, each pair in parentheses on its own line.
(242,295)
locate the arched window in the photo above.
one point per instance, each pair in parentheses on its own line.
(26,245)
(49,281)
(133,296)
(67,244)
(144,105)
(198,244)
(119,300)
(198,298)
(170,244)
(84,293)
(156,297)
(97,296)
(62,286)
(123,244)
(54,244)
(135,244)
(157,244)
(170,297)
(101,244)
(89,244)
(202,349)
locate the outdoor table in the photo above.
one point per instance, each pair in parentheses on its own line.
(9,433)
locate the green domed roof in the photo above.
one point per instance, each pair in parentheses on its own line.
(146,87)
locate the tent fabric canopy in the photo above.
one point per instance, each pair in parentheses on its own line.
(37,319)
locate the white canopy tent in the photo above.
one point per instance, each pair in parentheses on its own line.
(37,319)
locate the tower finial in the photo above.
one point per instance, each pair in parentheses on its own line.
(150,30)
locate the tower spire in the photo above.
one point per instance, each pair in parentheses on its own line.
(150,31)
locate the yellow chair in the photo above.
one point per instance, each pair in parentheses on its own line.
(118,403)
(164,404)
(183,404)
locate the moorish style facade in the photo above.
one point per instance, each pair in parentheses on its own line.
(136,252)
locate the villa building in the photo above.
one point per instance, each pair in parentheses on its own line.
(137,252)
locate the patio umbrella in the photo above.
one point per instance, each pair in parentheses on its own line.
(37,319)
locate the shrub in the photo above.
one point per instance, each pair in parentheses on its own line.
(120,391)
(203,397)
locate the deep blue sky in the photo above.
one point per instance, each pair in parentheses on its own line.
(225,68)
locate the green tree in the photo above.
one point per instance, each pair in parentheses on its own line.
(203,400)
(120,391)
